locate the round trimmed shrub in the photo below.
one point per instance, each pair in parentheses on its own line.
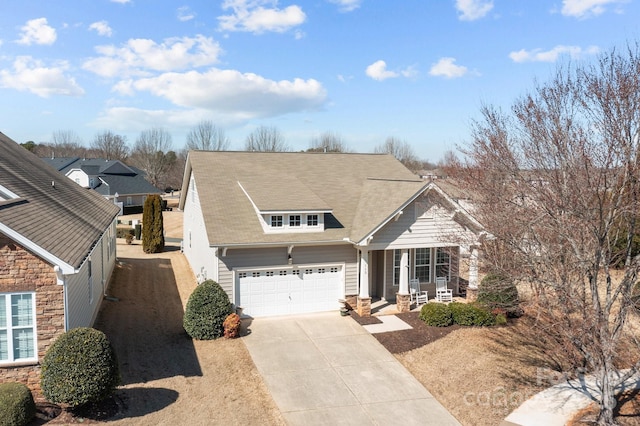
(436,315)
(471,314)
(496,291)
(207,308)
(17,407)
(79,367)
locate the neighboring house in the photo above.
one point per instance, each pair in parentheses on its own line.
(57,253)
(110,178)
(295,232)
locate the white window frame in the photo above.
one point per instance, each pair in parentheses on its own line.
(437,264)
(10,329)
(276,221)
(295,220)
(129,201)
(312,218)
(417,265)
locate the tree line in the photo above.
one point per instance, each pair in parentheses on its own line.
(153,152)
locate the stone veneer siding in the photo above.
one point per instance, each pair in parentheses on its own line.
(20,270)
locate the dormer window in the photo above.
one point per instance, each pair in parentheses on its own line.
(276,221)
(294,220)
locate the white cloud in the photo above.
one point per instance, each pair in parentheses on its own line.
(33,76)
(378,71)
(140,56)
(37,31)
(121,1)
(347,5)
(587,8)
(539,55)
(102,28)
(185,14)
(470,10)
(252,16)
(446,67)
(231,92)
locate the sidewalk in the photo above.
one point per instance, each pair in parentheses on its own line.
(558,404)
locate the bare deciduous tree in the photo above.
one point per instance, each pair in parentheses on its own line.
(266,139)
(556,184)
(150,153)
(110,146)
(205,136)
(66,143)
(400,149)
(328,142)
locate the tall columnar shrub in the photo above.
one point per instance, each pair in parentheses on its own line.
(17,406)
(152,225)
(79,367)
(498,292)
(207,308)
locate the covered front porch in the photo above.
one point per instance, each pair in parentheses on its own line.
(385,275)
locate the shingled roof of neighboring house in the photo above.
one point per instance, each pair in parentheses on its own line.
(48,209)
(115,176)
(358,192)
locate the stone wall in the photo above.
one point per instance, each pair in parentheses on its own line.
(20,270)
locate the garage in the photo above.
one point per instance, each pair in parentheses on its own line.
(292,290)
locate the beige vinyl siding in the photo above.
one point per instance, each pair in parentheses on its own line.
(275,257)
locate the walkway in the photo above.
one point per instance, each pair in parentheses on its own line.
(558,404)
(324,369)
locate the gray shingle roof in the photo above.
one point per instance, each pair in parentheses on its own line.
(117,176)
(64,219)
(361,191)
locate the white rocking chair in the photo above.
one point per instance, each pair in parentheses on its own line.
(418,296)
(443,293)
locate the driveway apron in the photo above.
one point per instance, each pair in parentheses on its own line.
(324,369)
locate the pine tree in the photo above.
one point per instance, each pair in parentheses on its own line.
(152,225)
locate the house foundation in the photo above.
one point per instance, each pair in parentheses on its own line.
(403,303)
(364,306)
(472,294)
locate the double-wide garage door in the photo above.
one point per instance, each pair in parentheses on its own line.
(289,290)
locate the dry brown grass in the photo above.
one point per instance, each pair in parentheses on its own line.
(480,374)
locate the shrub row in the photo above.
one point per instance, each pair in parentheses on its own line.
(444,315)
(123,232)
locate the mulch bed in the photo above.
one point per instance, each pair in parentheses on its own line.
(406,340)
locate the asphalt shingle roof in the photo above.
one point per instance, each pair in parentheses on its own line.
(361,191)
(52,211)
(117,176)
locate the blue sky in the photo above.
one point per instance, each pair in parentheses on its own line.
(417,70)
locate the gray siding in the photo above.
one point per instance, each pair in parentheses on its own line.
(83,301)
(424,223)
(277,256)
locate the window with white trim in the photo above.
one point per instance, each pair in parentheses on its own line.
(17,327)
(294,220)
(276,221)
(422,264)
(312,220)
(443,263)
(396,267)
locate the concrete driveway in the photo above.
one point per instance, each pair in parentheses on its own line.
(324,369)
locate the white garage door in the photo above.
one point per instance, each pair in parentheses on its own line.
(289,290)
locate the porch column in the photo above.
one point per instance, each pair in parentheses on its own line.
(403,300)
(472,290)
(364,300)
